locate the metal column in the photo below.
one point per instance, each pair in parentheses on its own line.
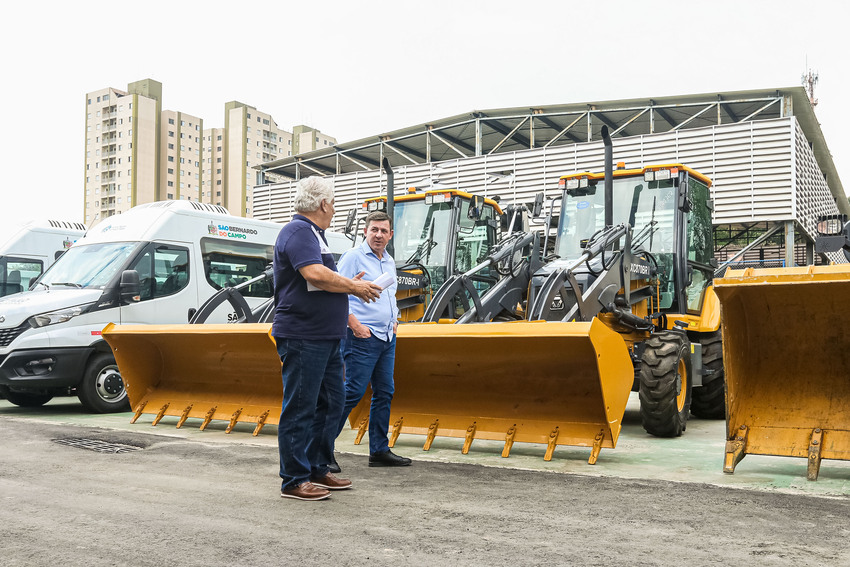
(789,243)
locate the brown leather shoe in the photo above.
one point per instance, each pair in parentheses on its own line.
(306,491)
(331,482)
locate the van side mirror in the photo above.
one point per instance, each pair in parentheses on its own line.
(476,204)
(129,290)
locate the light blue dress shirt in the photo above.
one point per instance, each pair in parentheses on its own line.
(379,315)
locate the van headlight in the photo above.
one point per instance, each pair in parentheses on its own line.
(58,316)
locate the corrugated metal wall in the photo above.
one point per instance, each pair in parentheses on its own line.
(762,171)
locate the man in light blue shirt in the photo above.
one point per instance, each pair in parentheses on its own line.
(369,347)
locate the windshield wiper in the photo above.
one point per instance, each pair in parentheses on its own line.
(424,247)
(70,284)
(44,284)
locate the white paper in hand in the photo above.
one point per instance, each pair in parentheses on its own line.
(384,280)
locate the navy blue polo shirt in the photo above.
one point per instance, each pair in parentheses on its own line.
(299,312)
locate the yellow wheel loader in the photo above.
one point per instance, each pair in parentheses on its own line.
(787,357)
(626,303)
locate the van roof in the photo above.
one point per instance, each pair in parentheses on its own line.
(62,225)
(180,221)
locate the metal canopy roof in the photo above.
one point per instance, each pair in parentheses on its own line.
(484,132)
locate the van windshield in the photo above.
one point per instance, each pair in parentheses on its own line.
(90,265)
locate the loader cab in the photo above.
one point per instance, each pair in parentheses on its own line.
(441,233)
(669,210)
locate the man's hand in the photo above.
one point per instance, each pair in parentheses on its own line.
(367,291)
(328,280)
(361,331)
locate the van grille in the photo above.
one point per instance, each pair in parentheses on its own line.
(9,335)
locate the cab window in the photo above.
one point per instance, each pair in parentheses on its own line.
(163,270)
(227,264)
(17,275)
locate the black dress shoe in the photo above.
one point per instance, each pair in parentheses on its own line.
(388,459)
(334,466)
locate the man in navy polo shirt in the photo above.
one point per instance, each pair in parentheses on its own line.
(311,313)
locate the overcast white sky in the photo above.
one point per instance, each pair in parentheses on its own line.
(356,69)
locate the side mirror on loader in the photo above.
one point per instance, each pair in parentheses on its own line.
(684,198)
(475,206)
(537,209)
(349,222)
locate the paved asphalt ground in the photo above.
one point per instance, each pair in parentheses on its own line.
(187,497)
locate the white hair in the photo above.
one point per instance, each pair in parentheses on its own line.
(311,192)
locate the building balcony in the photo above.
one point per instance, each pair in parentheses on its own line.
(109,128)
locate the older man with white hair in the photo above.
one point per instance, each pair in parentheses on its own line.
(310,319)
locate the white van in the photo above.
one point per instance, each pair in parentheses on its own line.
(182,251)
(31,249)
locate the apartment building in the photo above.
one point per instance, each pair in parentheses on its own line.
(121,149)
(306,139)
(136,152)
(251,138)
(181,147)
(212,166)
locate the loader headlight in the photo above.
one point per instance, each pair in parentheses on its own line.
(830,226)
(576,182)
(58,316)
(431,198)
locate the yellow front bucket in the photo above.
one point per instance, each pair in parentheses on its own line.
(786,352)
(535,382)
(211,372)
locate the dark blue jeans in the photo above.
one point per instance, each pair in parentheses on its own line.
(313,397)
(370,360)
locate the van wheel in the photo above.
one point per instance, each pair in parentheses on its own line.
(102,390)
(709,400)
(665,384)
(27,400)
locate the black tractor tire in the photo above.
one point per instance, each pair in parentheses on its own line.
(27,400)
(102,389)
(709,400)
(665,384)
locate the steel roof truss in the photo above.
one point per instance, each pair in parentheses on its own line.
(404,154)
(565,130)
(509,135)
(446,142)
(356,162)
(630,120)
(695,116)
(763,108)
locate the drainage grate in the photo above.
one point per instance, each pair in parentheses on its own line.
(97,445)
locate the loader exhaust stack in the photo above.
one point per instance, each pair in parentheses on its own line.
(786,352)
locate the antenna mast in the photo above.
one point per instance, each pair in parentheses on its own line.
(809,80)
